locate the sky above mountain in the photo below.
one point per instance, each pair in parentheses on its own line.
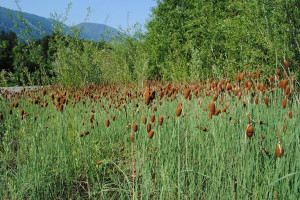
(115,13)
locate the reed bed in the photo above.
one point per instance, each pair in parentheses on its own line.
(212,139)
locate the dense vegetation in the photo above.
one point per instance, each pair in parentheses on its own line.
(212,139)
(204,105)
(184,40)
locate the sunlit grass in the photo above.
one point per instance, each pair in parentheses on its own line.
(53,154)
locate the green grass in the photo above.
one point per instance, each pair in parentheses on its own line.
(55,163)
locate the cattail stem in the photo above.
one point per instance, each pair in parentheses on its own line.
(133,171)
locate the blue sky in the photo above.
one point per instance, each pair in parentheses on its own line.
(115,13)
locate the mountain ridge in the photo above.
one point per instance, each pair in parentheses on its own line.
(10,21)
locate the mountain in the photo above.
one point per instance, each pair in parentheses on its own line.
(97,32)
(10,21)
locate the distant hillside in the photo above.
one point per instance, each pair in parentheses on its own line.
(97,31)
(91,31)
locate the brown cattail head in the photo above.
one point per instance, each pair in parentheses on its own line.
(61,107)
(160,120)
(1,116)
(122,148)
(134,128)
(147,99)
(148,127)
(279,150)
(212,109)
(99,162)
(144,120)
(131,137)
(152,118)
(150,135)
(286,63)
(249,130)
(107,123)
(217,111)
(284,103)
(283,128)
(266,100)
(204,128)
(9,111)
(215,97)
(291,114)
(187,93)
(22,112)
(113,117)
(179,109)
(92,118)
(256,100)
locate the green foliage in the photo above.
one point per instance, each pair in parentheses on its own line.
(221,36)
(185,40)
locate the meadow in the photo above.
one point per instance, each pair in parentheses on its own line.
(204,139)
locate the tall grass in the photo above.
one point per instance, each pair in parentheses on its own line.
(46,159)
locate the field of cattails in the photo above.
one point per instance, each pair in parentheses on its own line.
(207,139)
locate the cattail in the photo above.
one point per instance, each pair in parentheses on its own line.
(131,137)
(155,108)
(81,135)
(152,118)
(266,151)
(21,112)
(61,107)
(36,101)
(150,135)
(16,105)
(113,117)
(217,111)
(284,103)
(212,109)
(204,128)
(283,128)
(249,130)
(291,114)
(168,116)
(244,103)
(144,120)
(266,100)
(187,93)
(215,97)
(134,128)
(147,99)
(122,148)
(286,63)
(256,100)
(262,137)
(92,118)
(148,127)
(1,116)
(279,150)
(99,162)
(86,133)
(9,111)
(179,110)
(160,120)
(107,123)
